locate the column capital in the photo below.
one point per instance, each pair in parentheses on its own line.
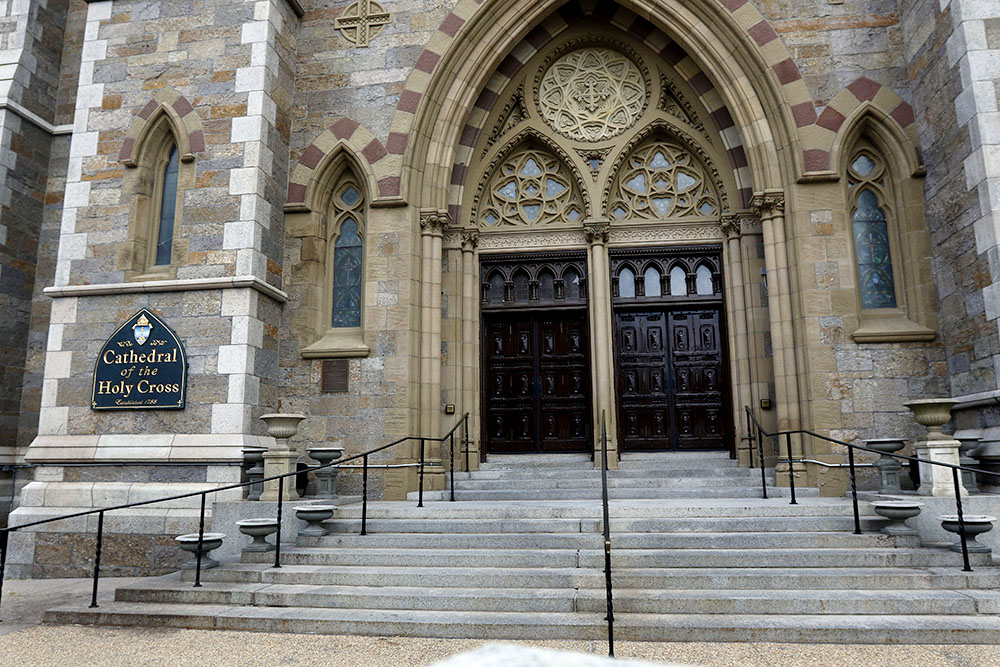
(730,225)
(596,231)
(768,203)
(470,239)
(433,221)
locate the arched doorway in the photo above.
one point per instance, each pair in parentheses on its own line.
(599,151)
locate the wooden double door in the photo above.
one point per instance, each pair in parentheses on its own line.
(536,381)
(669,367)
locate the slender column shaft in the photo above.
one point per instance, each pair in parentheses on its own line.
(599,297)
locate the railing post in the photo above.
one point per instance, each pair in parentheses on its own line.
(3,558)
(97,558)
(420,493)
(201,539)
(277,539)
(961,521)
(854,491)
(451,448)
(364,497)
(791,471)
(760,455)
(466,429)
(607,536)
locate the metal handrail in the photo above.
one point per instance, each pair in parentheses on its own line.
(607,536)
(761,433)
(5,532)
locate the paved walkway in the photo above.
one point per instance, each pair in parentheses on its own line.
(23,639)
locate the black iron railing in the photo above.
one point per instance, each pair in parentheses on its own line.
(789,460)
(607,536)
(450,437)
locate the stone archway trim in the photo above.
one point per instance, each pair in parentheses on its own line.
(185,120)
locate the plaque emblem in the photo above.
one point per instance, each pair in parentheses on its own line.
(141,329)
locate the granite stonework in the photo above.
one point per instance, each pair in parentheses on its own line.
(277,107)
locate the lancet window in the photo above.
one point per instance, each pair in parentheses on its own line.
(347,255)
(870,214)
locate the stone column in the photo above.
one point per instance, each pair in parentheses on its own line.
(770,207)
(601,338)
(738,328)
(432,224)
(469,337)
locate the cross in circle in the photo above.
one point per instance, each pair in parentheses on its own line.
(365,17)
(594,94)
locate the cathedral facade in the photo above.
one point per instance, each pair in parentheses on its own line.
(646,214)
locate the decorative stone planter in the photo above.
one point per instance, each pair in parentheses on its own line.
(935,446)
(326,479)
(258,529)
(968,443)
(975,524)
(281,459)
(255,473)
(314,515)
(209,542)
(897,511)
(888,467)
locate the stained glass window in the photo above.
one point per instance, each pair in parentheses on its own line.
(626,283)
(651,282)
(168,205)
(703,280)
(662,179)
(530,187)
(871,246)
(348,257)
(870,223)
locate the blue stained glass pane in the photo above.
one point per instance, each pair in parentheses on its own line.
(168,205)
(684,181)
(678,282)
(531,168)
(863,165)
(703,280)
(347,276)
(508,191)
(871,246)
(626,283)
(651,282)
(637,183)
(350,196)
(659,162)
(553,187)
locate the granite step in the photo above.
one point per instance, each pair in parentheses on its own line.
(703,490)
(819,628)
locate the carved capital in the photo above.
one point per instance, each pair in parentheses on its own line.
(596,232)
(730,225)
(433,221)
(768,203)
(470,239)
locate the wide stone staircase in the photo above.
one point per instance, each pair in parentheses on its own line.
(697,556)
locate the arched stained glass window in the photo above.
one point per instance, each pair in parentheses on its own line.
(626,283)
(870,226)
(651,282)
(531,187)
(660,180)
(348,257)
(703,280)
(168,210)
(678,282)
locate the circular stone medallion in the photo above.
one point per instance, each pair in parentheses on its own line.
(592,94)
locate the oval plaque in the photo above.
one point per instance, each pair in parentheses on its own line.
(142,366)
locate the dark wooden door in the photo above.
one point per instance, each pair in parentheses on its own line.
(696,363)
(643,393)
(669,365)
(537,382)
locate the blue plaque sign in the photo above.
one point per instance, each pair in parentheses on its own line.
(142,366)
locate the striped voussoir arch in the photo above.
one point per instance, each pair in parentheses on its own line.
(364,145)
(862,92)
(189,135)
(772,49)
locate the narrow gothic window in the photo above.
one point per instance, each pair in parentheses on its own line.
(168,209)
(348,254)
(873,254)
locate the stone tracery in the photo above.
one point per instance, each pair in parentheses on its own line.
(659,180)
(530,187)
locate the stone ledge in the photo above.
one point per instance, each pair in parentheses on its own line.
(186,285)
(115,447)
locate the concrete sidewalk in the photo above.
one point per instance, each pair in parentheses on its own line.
(24,638)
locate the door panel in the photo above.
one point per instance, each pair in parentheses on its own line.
(644,412)
(537,382)
(696,358)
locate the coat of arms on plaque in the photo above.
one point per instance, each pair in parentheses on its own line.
(141,329)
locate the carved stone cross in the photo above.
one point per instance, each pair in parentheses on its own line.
(362,21)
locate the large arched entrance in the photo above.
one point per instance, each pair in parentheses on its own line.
(597,186)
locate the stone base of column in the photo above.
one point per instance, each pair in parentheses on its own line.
(938,480)
(279,463)
(798,471)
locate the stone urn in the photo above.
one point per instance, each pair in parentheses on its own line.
(209,542)
(888,467)
(326,478)
(314,516)
(255,460)
(897,511)
(935,446)
(975,524)
(281,459)
(258,529)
